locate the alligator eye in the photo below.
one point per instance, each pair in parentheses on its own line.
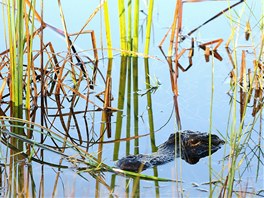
(194,142)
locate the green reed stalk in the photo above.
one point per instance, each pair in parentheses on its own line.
(135,102)
(237,142)
(113,184)
(30,192)
(104,113)
(122,26)
(148,30)
(128,120)
(135,73)
(210,127)
(235,135)
(29,36)
(156,183)
(108,30)
(128,116)
(129,62)
(136,184)
(151,121)
(15,19)
(136,187)
(136,25)
(120,105)
(103,126)
(149,102)
(129,25)
(16,42)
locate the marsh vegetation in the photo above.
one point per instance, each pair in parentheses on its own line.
(83,84)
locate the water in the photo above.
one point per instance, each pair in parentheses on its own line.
(195,89)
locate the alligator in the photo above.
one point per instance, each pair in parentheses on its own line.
(188,145)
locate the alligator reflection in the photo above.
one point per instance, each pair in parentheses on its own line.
(190,146)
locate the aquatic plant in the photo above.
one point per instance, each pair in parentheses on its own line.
(60,107)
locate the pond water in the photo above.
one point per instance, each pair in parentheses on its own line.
(203,86)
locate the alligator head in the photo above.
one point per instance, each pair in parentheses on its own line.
(194,145)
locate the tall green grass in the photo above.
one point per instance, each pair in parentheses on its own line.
(16,34)
(149,106)
(120,105)
(21,32)
(136,26)
(20,28)
(122,26)
(108,30)
(16,44)
(240,124)
(148,28)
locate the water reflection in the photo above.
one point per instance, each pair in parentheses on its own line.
(82,131)
(94,112)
